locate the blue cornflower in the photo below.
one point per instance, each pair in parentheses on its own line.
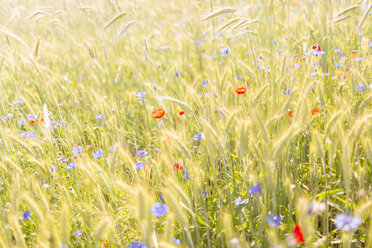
(76,150)
(273,220)
(177,241)
(239,201)
(213,56)
(31,117)
(325,74)
(313,74)
(347,222)
(77,233)
(338,51)
(361,87)
(21,122)
(142,153)
(20,101)
(161,197)
(113,148)
(157,150)
(140,94)
(71,166)
(23,134)
(225,50)
(198,136)
(53,167)
(287,92)
(239,77)
(359,59)
(198,43)
(98,154)
(276,43)
(255,189)
(338,65)
(26,215)
(100,116)
(31,134)
(165,47)
(7,117)
(186,175)
(177,74)
(137,245)
(117,80)
(62,160)
(205,194)
(159,209)
(204,82)
(139,165)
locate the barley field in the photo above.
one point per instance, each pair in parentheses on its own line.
(210,123)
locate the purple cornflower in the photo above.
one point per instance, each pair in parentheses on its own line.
(347,222)
(361,87)
(273,220)
(98,154)
(204,82)
(225,50)
(239,201)
(7,117)
(288,92)
(139,165)
(76,150)
(31,117)
(140,94)
(177,241)
(255,189)
(186,175)
(165,47)
(71,166)
(26,215)
(77,233)
(137,245)
(20,101)
(100,116)
(198,136)
(62,160)
(142,153)
(159,209)
(21,122)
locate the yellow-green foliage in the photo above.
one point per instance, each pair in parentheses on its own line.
(302,130)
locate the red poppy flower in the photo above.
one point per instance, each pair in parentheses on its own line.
(316,47)
(158,113)
(178,166)
(31,122)
(299,236)
(42,120)
(291,113)
(182,112)
(240,90)
(315,111)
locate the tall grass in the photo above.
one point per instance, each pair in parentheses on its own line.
(69,61)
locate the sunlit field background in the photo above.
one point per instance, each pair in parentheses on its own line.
(265,141)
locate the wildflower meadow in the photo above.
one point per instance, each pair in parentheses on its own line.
(174,123)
